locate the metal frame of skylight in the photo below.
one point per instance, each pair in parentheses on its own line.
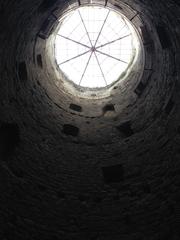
(94,49)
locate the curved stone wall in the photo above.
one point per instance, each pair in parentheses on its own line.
(71,168)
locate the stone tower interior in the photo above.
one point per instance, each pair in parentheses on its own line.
(95,166)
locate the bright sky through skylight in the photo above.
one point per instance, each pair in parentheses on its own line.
(94,46)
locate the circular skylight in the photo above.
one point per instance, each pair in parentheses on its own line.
(94,46)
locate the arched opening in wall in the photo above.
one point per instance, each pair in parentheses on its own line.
(94,48)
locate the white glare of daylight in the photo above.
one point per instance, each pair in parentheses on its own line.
(94,46)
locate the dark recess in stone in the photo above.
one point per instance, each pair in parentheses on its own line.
(146,188)
(46,4)
(125,129)
(178,130)
(61,195)
(169,107)
(116,197)
(47,27)
(116,5)
(83,198)
(163,37)
(140,88)
(113,174)
(70,130)
(177,2)
(97,199)
(9,138)
(146,35)
(22,72)
(109,107)
(42,188)
(75,107)
(39,61)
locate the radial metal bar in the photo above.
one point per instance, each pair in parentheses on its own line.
(134,16)
(102,28)
(118,39)
(85,68)
(100,68)
(74,28)
(85,28)
(111,56)
(84,45)
(74,57)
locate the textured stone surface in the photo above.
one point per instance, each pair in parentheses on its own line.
(52,185)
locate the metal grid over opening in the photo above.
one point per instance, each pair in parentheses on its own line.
(94,46)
